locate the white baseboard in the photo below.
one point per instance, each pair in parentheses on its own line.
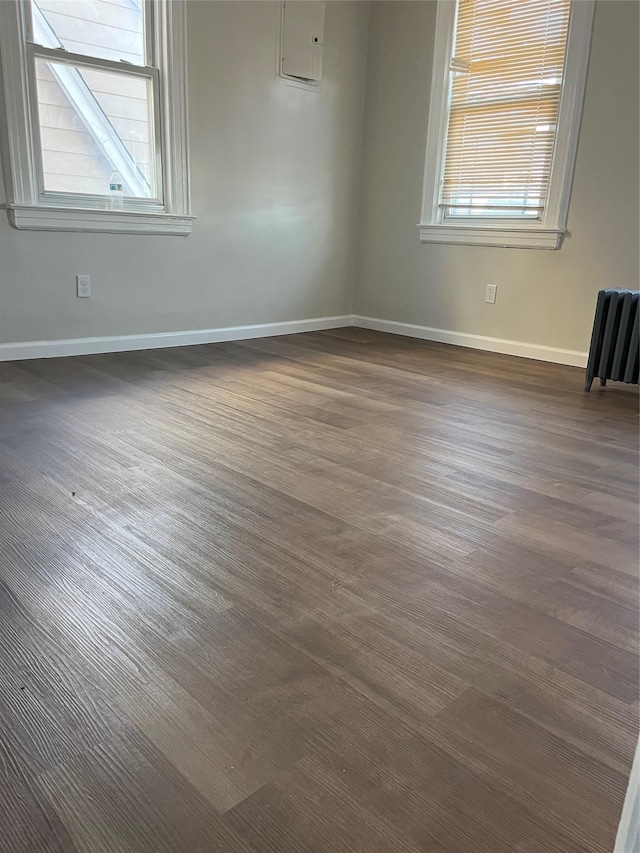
(124,343)
(628,837)
(463,339)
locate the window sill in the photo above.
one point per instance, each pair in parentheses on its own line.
(44,218)
(506,238)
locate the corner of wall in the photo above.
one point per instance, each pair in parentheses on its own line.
(359,179)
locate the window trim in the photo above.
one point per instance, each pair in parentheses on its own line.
(548,231)
(27,208)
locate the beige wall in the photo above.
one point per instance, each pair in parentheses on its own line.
(275,186)
(543,297)
(275,179)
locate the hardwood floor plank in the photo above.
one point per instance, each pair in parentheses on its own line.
(28,821)
(308,809)
(554,536)
(326,592)
(599,601)
(536,767)
(431,799)
(124,796)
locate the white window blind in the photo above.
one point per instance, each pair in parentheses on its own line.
(507,74)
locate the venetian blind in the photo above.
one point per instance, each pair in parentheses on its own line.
(507,71)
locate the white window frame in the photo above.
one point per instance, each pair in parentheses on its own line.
(547,231)
(28,204)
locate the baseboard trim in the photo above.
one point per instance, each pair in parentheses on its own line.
(464,339)
(628,836)
(125,343)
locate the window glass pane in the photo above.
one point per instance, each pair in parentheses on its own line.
(506,82)
(110,29)
(92,123)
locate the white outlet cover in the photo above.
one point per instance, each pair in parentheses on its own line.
(83,285)
(490,293)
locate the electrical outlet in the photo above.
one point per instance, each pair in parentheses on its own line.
(490,295)
(83,284)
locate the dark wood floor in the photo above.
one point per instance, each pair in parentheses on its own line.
(330,592)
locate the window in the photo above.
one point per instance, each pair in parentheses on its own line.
(95,96)
(506,100)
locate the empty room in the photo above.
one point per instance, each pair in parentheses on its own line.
(319,426)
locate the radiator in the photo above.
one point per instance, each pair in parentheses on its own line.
(613,353)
